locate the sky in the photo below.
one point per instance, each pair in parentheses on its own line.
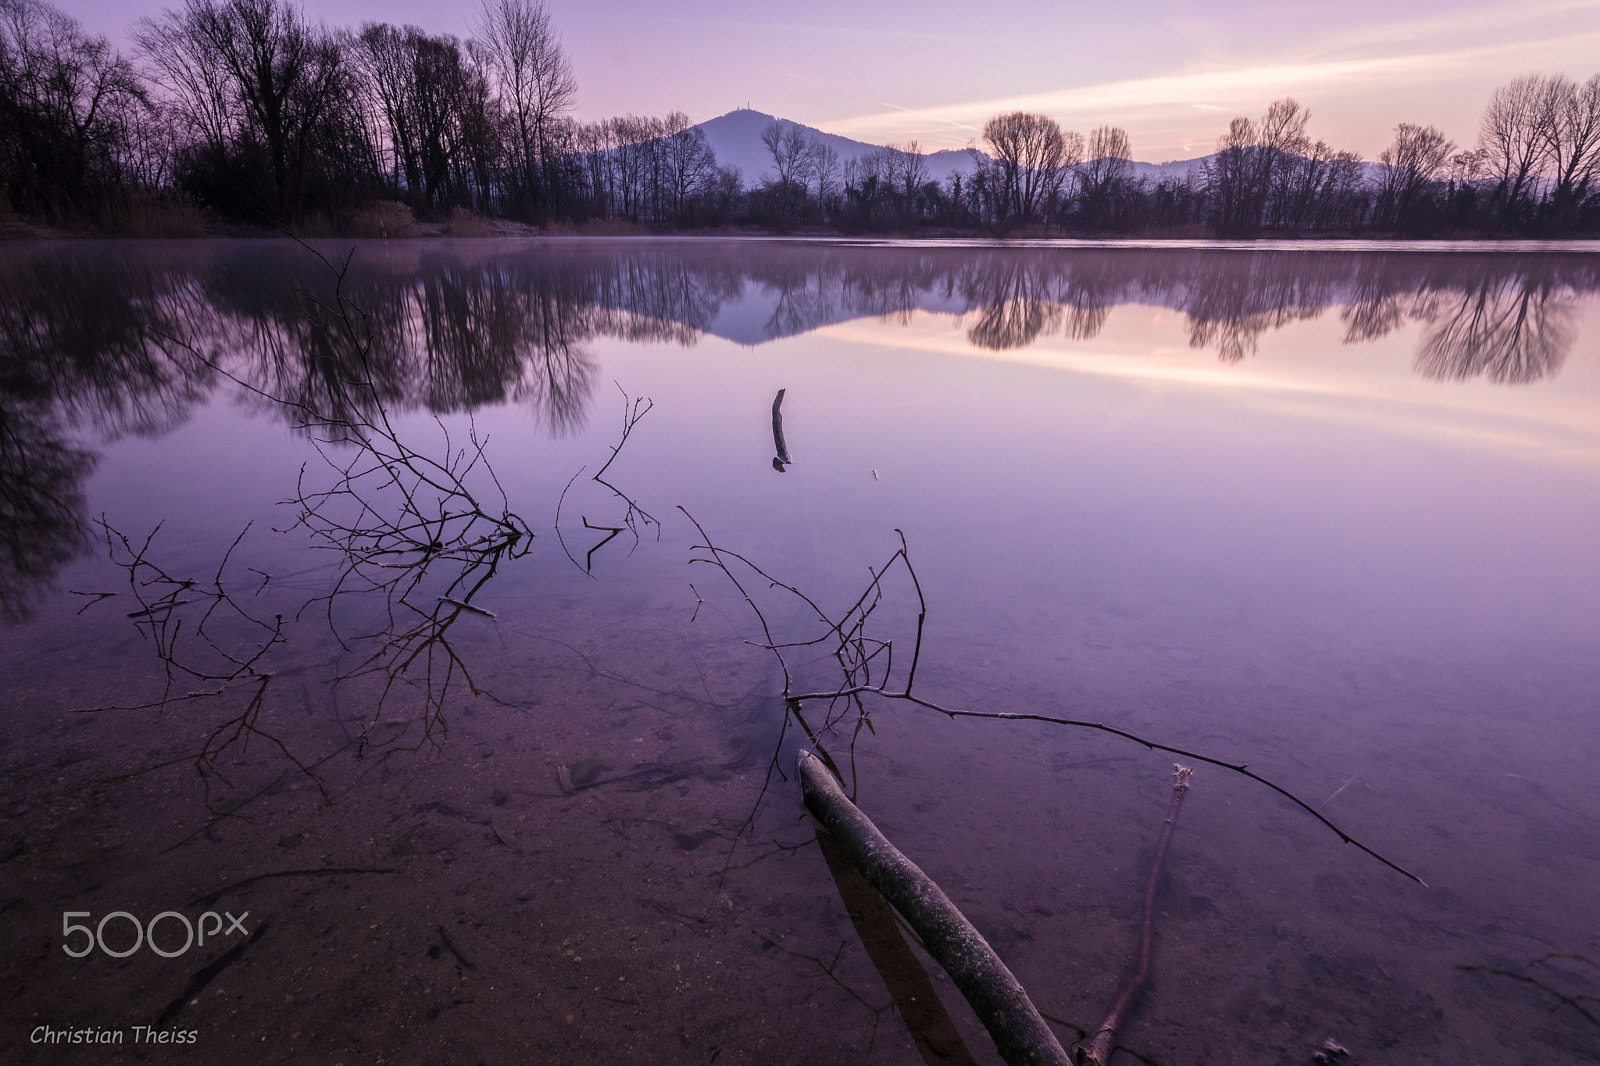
(1170,72)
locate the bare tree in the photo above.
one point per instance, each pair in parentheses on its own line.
(273,77)
(824,163)
(1229,178)
(533,76)
(791,159)
(908,173)
(1283,143)
(1103,175)
(1417,156)
(383,56)
(595,141)
(688,164)
(1321,189)
(722,192)
(1572,138)
(60,94)
(1034,157)
(1253,170)
(1514,138)
(632,136)
(434,95)
(186,62)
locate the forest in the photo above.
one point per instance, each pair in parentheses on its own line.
(246,116)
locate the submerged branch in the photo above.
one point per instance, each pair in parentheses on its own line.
(1098,1053)
(858,654)
(995,994)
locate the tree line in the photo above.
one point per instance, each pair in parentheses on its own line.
(249,111)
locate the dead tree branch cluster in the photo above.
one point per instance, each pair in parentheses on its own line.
(414,537)
(866,668)
(634,516)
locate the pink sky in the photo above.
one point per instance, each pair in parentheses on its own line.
(1171,72)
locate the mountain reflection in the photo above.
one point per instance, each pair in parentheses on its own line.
(111,339)
(103,332)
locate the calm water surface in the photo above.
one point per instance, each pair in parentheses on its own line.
(494,787)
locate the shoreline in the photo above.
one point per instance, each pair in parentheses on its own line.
(467,226)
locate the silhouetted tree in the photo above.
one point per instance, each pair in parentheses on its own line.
(791,153)
(537,84)
(1513,135)
(688,164)
(442,129)
(1417,156)
(1253,166)
(68,105)
(1103,177)
(258,81)
(1572,140)
(1033,156)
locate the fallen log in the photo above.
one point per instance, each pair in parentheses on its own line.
(996,996)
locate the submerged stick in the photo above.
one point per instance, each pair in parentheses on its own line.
(778,442)
(1133,982)
(996,996)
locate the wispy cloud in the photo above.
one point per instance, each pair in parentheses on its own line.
(1515,20)
(1228,88)
(804,28)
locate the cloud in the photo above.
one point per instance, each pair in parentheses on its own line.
(1229,88)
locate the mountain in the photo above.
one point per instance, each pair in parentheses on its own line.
(736,138)
(1179,169)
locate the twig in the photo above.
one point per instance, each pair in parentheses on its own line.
(868,669)
(633,410)
(1133,981)
(1562,1000)
(467,607)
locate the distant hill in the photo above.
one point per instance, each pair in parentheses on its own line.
(736,138)
(1178,169)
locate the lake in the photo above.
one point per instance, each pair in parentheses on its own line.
(389,639)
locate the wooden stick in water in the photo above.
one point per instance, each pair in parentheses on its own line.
(778,442)
(1133,981)
(996,996)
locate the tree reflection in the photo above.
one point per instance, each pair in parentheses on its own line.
(452,329)
(94,339)
(76,347)
(444,336)
(1232,308)
(1511,330)
(1018,299)
(78,332)
(1015,304)
(42,511)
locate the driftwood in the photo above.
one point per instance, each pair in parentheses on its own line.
(778,443)
(912,993)
(1098,1052)
(996,996)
